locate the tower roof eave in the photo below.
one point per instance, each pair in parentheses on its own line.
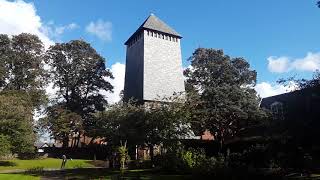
(155,24)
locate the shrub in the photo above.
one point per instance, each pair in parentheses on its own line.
(123,156)
(235,160)
(5,146)
(139,164)
(189,161)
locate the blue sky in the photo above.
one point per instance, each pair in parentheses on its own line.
(275,36)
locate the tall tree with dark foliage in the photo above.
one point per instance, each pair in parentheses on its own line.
(22,82)
(80,75)
(221,94)
(22,66)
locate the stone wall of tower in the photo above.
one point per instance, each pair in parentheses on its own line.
(133,86)
(163,73)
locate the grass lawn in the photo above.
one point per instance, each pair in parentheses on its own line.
(43,163)
(18,177)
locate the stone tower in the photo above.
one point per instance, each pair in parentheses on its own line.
(153,62)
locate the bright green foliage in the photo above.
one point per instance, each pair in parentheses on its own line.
(220,93)
(188,158)
(16,121)
(123,155)
(5,146)
(19,177)
(45,163)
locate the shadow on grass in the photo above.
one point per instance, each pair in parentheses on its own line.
(98,163)
(102,173)
(145,174)
(7,163)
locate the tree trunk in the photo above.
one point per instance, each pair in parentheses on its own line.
(221,140)
(93,138)
(151,149)
(72,142)
(78,140)
(65,142)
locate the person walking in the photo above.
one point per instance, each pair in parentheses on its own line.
(64,161)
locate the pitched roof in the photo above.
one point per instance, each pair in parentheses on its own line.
(156,24)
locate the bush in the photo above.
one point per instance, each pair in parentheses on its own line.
(193,161)
(236,160)
(5,146)
(140,164)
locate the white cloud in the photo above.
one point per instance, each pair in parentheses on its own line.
(278,65)
(310,62)
(101,29)
(118,71)
(18,16)
(55,31)
(266,89)
(21,17)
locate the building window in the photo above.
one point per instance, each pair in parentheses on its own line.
(277,110)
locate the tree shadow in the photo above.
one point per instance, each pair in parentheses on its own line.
(7,163)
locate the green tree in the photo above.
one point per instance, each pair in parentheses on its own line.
(220,93)
(5,146)
(80,75)
(302,83)
(167,121)
(152,123)
(61,123)
(22,66)
(16,121)
(22,82)
(122,122)
(4,59)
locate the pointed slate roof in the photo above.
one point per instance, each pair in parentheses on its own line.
(156,24)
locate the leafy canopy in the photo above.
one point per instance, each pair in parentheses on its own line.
(16,121)
(220,92)
(22,66)
(80,75)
